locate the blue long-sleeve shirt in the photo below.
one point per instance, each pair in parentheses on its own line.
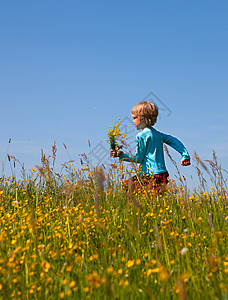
(149,151)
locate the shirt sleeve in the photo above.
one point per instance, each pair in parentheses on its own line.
(176,145)
(139,152)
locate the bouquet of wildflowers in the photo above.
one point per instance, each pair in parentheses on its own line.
(115,136)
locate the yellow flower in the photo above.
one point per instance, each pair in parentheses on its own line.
(124,283)
(116,135)
(130,263)
(64,281)
(149,271)
(68,292)
(153,261)
(46,266)
(49,280)
(72,284)
(94,279)
(110,269)
(69,268)
(163,275)
(184,277)
(138,261)
(61,295)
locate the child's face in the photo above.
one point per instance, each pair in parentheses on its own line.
(139,122)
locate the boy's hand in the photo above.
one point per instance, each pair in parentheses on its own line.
(185,162)
(113,153)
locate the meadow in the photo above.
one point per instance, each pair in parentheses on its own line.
(77,234)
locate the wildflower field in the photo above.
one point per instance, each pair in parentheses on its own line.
(78,235)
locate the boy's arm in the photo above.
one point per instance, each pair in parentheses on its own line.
(178,146)
(139,152)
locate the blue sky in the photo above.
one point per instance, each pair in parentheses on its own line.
(70,69)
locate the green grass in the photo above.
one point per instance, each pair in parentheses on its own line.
(80,236)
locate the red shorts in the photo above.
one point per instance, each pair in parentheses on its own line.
(152,182)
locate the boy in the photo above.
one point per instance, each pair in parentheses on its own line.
(149,151)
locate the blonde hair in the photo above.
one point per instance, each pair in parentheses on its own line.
(147,110)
